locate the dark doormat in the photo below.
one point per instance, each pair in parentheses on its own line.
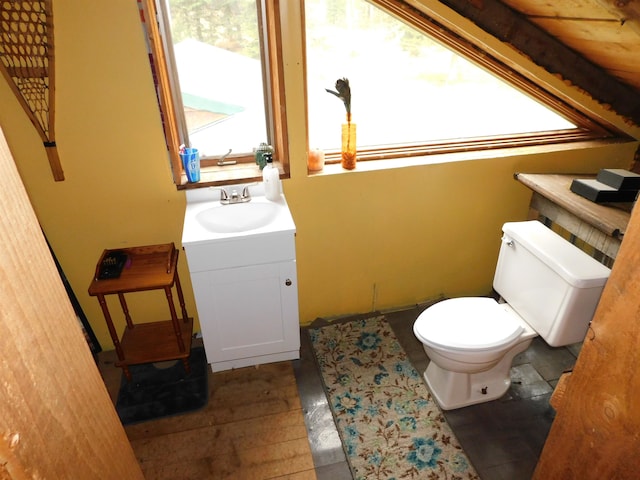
(157,392)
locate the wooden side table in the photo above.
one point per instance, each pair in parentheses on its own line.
(148,268)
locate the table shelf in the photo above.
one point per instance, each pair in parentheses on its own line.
(155,341)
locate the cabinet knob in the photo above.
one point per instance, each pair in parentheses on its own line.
(288,282)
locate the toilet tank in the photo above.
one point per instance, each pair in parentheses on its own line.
(553,285)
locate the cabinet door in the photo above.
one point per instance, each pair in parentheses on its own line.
(248,311)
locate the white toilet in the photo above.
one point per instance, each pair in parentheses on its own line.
(551,288)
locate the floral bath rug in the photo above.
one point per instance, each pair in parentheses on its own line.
(390,426)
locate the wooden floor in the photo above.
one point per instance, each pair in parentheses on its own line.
(252,428)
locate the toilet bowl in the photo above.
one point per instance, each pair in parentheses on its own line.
(471,342)
(548,287)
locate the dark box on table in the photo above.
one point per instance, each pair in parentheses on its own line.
(619,179)
(599,192)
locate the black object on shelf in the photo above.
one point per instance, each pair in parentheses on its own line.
(619,178)
(614,185)
(111,265)
(598,192)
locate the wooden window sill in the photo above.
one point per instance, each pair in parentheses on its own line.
(215,176)
(438,158)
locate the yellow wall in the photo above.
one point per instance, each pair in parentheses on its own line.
(365,239)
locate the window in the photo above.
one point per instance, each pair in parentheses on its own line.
(218,76)
(413,95)
(218,61)
(427,90)
(418,88)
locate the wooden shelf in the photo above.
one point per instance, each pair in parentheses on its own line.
(611,219)
(601,226)
(148,268)
(154,342)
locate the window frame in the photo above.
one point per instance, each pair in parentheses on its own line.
(170,101)
(590,126)
(588,129)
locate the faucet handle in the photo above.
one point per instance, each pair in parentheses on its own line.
(223,160)
(223,195)
(245,193)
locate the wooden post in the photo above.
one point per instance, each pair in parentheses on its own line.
(56,417)
(595,432)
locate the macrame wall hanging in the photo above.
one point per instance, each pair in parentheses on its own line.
(27,62)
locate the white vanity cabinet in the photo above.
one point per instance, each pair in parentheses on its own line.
(246,293)
(251,314)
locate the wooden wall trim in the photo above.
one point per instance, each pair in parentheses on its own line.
(56,417)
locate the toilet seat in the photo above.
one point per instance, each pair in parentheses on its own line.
(468,324)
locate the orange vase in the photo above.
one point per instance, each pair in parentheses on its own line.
(348,145)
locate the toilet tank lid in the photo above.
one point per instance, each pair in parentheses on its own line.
(567,260)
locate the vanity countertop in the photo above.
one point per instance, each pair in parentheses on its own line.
(206,220)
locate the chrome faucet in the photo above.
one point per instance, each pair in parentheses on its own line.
(235,197)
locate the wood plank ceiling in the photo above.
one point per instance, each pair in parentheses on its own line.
(594,44)
(605,32)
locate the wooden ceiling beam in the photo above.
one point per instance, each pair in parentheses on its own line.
(511,27)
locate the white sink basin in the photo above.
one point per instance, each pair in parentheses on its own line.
(237,217)
(207,220)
